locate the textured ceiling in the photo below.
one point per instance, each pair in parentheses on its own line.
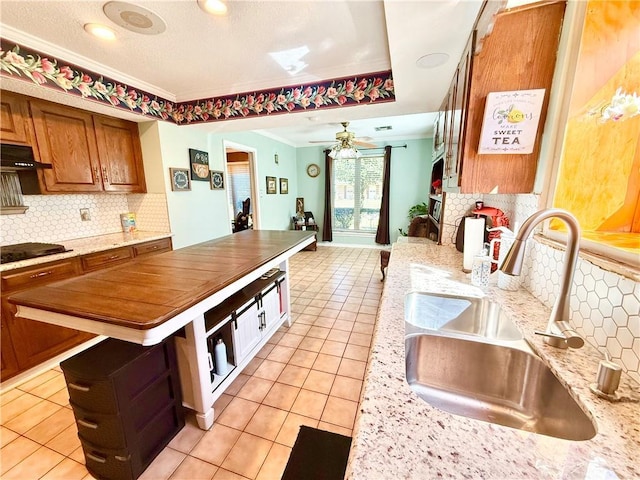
(201,55)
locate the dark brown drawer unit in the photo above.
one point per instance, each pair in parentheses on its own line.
(155,246)
(127,404)
(108,258)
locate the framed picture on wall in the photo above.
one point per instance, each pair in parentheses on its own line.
(284,186)
(271,185)
(217,180)
(180,179)
(199,161)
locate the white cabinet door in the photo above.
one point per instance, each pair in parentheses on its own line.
(246,331)
(271,308)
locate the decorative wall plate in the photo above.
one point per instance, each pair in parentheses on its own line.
(179,179)
(217,180)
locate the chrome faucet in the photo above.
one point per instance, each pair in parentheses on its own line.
(559,332)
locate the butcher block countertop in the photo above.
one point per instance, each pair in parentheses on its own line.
(148,291)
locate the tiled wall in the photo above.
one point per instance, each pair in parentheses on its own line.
(605,306)
(55,218)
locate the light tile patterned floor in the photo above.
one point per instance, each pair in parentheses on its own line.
(308,374)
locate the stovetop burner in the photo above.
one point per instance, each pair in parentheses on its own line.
(24,251)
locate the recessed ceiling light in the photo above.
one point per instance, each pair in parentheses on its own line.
(100,31)
(134,18)
(214,7)
(432,60)
(383,128)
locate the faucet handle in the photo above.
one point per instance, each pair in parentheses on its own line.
(567,337)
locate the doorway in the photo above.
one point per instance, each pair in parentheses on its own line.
(241,173)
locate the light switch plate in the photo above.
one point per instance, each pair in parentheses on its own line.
(85,216)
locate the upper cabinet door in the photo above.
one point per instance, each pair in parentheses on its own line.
(66,139)
(14,115)
(120,155)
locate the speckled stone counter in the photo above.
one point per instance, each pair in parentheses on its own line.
(400,436)
(83,246)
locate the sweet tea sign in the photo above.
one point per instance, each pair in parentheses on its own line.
(511,121)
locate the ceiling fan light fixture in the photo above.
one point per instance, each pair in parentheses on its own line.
(214,7)
(340,152)
(101,31)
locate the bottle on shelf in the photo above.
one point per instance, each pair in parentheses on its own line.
(220,354)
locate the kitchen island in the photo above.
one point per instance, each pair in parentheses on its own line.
(398,435)
(149,299)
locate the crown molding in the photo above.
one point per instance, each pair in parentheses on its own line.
(40,45)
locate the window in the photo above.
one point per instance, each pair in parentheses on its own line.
(357,193)
(239,186)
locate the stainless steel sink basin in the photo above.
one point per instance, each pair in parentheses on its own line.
(458,314)
(495,383)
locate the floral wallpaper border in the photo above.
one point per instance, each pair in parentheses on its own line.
(17,61)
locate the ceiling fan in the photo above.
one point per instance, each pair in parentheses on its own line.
(347,139)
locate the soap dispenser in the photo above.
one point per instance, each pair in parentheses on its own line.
(481,268)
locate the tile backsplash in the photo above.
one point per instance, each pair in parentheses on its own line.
(55,218)
(605,306)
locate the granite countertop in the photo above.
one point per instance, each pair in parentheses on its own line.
(83,246)
(399,436)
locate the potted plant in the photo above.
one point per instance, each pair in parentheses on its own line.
(415,211)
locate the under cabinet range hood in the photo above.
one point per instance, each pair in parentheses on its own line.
(18,157)
(19,176)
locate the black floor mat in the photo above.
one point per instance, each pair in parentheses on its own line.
(318,455)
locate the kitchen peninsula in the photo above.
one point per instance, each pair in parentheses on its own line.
(149,299)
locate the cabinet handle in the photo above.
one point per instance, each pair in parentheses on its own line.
(41,274)
(113,257)
(120,458)
(80,388)
(96,458)
(90,425)
(104,174)
(96,175)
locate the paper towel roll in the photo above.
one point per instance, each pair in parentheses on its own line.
(473,240)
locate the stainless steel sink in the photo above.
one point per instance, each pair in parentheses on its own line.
(457,314)
(494,383)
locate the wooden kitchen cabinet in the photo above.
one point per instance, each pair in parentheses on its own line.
(106,258)
(518,54)
(14,118)
(34,342)
(8,362)
(154,246)
(120,155)
(66,140)
(88,153)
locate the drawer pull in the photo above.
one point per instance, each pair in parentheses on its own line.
(120,458)
(155,247)
(80,388)
(96,458)
(113,257)
(84,423)
(41,274)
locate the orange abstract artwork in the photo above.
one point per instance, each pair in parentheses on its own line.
(599,178)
